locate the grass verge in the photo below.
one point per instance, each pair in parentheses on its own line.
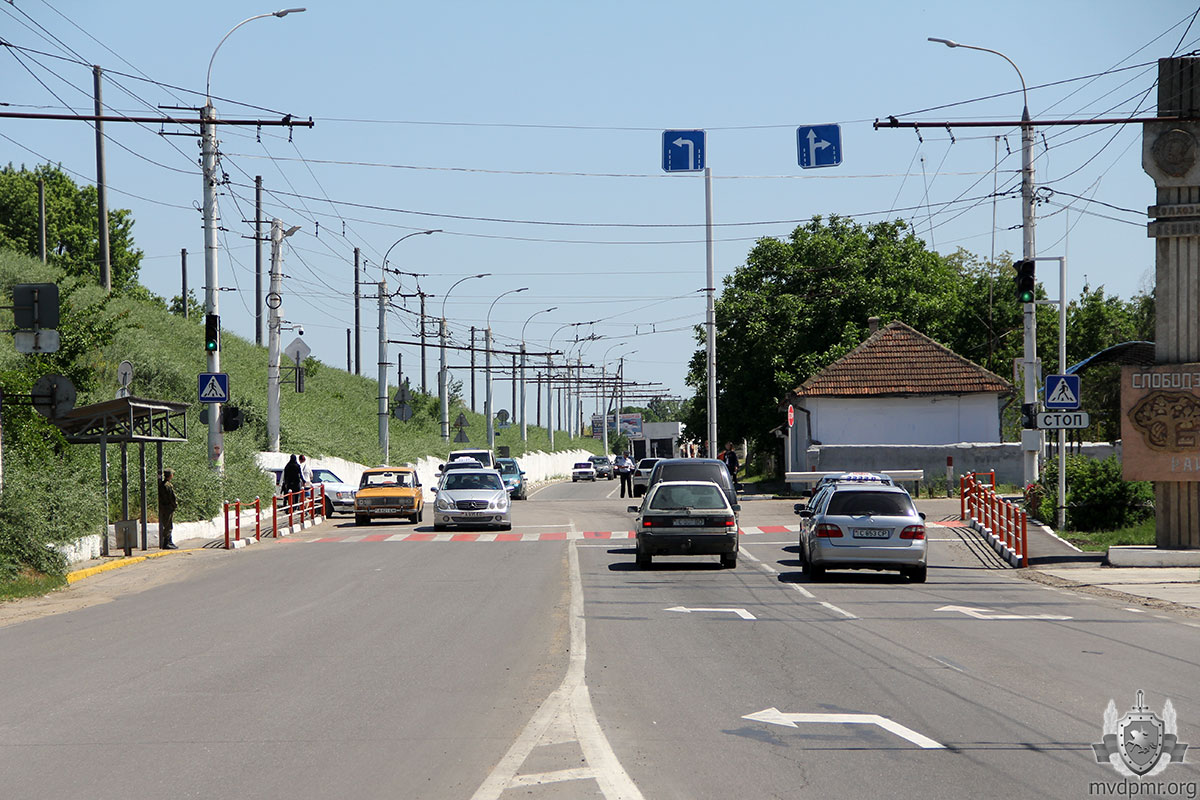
(30,584)
(1100,541)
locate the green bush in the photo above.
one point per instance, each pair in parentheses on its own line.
(1098,497)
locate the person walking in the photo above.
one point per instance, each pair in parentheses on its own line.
(167,503)
(305,472)
(624,467)
(293,480)
(729,458)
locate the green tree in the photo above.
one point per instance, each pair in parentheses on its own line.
(72,230)
(798,305)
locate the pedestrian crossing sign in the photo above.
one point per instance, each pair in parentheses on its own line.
(1062,392)
(214,387)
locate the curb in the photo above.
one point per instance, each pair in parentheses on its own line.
(1007,553)
(80,574)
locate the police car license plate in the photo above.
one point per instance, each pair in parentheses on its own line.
(871,533)
(474,514)
(688,522)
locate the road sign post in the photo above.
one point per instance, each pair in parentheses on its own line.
(213,387)
(1062,392)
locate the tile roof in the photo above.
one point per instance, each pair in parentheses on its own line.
(899,360)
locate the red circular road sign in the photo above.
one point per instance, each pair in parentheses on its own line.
(791,415)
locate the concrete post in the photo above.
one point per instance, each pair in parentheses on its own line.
(1169,156)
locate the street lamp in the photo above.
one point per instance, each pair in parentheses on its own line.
(443,375)
(383,266)
(524,410)
(549,371)
(1031,441)
(487,367)
(208,160)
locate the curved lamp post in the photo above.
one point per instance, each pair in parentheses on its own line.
(443,375)
(487,367)
(604,405)
(524,409)
(208,161)
(1031,443)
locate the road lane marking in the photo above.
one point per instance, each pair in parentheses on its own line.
(949,664)
(841,611)
(985,613)
(569,707)
(774,716)
(741,612)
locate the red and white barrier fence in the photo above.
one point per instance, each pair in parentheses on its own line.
(301,510)
(1002,521)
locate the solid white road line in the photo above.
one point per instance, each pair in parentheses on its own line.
(841,611)
(569,704)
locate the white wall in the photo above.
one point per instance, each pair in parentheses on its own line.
(938,419)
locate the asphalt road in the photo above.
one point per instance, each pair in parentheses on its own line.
(334,664)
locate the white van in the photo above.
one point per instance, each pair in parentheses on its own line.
(484,457)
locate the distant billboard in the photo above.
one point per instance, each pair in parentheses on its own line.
(631,425)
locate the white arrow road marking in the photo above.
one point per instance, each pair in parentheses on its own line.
(984,613)
(690,145)
(774,716)
(566,715)
(741,612)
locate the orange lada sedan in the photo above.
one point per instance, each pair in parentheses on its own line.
(389,492)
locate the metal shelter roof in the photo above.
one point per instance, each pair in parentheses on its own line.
(1137,353)
(126,419)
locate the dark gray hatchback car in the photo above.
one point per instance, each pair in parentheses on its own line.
(694,469)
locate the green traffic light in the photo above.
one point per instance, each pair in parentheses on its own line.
(1025,297)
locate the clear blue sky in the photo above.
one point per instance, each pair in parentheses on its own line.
(495,120)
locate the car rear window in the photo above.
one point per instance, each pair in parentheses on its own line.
(708,498)
(879,503)
(647,463)
(508,468)
(690,472)
(472,480)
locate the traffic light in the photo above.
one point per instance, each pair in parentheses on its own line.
(212,333)
(1025,280)
(1029,416)
(232,418)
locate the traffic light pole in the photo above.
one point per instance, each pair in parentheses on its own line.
(208,158)
(1031,440)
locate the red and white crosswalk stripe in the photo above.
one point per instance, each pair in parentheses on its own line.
(551,536)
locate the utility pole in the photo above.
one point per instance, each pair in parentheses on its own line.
(357,320)
(258,240)
(1031,440)
(488,411)
(42,219)
(273,324)
(550,399)
(101,188)
(183,269)
(524,412)
(514,388)
(472,367)
(422,296)
(710,317)
(208,159)
(383,367)
(443,394)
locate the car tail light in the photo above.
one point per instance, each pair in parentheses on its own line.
(913,532)
(730,522)
(647,523)
(828,531)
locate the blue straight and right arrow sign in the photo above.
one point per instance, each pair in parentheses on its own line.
(819,145)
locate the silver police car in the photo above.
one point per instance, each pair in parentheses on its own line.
(863,526)
(474,497)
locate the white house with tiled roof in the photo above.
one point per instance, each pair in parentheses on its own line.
(899,387)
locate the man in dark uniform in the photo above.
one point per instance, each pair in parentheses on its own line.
(730,458)
(167,503)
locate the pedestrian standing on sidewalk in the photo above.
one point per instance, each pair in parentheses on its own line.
(305,472)
(293,481)
(167,502)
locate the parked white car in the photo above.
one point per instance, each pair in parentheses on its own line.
(583,471)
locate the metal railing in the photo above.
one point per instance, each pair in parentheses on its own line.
(1002,521)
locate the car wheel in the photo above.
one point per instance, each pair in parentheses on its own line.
(328,507)
(729,560)
(437,526)
(421,514)
(506,527)
(813,571)
(362,519)
(643,560)
(916,574)
(574,479)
